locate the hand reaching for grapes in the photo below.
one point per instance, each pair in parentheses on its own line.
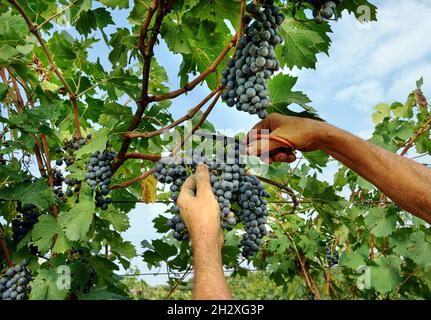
(301,132)
(200,210)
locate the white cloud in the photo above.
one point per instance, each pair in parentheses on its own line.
(379,63)
(404,82)
(362,96)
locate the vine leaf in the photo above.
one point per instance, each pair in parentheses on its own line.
(44,231)
(281,94)
(97,143)
(77,221)
(118,219)
(382,222)
(36,193)
(121,4)
(385,275)
(301,45)
(217,10)
(45,286)
(149,188)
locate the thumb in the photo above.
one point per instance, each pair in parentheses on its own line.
(203,184)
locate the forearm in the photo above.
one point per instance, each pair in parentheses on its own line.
(209,282)
(404,181)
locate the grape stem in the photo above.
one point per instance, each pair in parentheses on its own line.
(50,172)
(179,282)
(137,155)
(284,187)
(53,67)
(307,276)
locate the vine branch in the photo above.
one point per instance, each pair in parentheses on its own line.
(147,53)
(284,187)
(5,249)
(188,116)
(191,85)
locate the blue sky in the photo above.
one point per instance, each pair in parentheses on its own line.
(367,64)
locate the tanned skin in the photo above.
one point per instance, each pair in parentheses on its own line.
(404,181)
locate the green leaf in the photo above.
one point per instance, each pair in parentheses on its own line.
(77,221)
(43,232)
(92,19)
(281,94)
(160,223)
(97,143)
(164,250)
(386,276)
(381,221)
(301,45)
(121,4)
(102,294)
(212,10)
(352,260)
(317,159)
(118,219)
(124,248)
(3,91)
(45,287)
(38,194)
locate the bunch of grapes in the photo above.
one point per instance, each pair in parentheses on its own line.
(324,9)
(24,222)
(66,154)
(168,170)
(239,196)
(253,214)
(332,257)
(99,174)
(15,283)
(255,60)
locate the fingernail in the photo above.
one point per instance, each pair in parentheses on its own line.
(201,168)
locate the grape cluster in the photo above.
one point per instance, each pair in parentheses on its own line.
(24,222)
(332,258)
(66,154)
(239,196)
(168,170)
(253,214)
(324,9)
(255,60)
(98,176)
(15,283)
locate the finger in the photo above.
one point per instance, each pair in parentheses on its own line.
(261,146)
(203,184)
(283,156)
(264,124)
(187,190)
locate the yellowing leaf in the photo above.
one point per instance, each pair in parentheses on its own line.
(48,86)
(382,111)
(148,186)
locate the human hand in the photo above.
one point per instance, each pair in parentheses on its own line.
(200,210)
(302,132)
